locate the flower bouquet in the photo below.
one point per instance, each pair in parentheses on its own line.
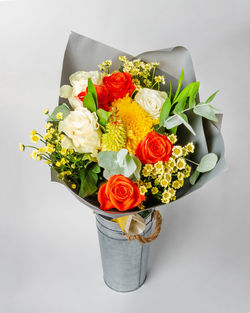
(126,138)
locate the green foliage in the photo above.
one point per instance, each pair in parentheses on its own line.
(205,110)
(89,102)
(207,163)
(89,179)
(103,117)
(90,99)
(194,177)
(115,163)
(63,108)
(184,101)
(165,110)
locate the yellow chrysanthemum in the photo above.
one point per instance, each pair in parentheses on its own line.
(137,121)
(181,163)
(177,151)
(154,190)
(143,190)
(73,186)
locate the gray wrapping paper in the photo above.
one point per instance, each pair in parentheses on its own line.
(83,53)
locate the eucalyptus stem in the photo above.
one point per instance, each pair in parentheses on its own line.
(192,161)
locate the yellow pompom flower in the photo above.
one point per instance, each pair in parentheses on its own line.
(47,136)
(63,151)
(34,138)
(181,163)
(137,121)
(63,161)
(58,164)
(33,132)
(177,151)
(46,111)
(47,161)
(73,186)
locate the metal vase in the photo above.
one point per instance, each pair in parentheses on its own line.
(124,262)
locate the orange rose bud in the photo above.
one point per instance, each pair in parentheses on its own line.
(119,85)
(154,148)
(119,193)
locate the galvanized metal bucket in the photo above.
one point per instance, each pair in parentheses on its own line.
(124,262)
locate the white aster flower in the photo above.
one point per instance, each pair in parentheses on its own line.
(151,101)
(82,131)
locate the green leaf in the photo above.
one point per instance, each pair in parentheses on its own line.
(205,110)
(194,177)
(63,108)
(115,163)
(210,99)
(103,116)
(170,90)
(190,91)
(178,119)
(179,84)
(89,180)
(165,110)
(193,93)
(159,129)
(91,90)
(207,162)
(89,102)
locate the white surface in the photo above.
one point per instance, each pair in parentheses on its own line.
(49,254)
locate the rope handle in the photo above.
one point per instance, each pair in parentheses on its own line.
(158,221)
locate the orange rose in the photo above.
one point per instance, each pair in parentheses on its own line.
(120,193)
(154,148)
(119,85)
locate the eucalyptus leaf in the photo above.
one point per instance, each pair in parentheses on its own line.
(63,108)
(103,116)
(207,162)
(115,163)
(194,177)
(89,102)
(178,119)
(205,110)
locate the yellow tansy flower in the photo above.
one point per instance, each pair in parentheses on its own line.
(73,186)
(34,154)
(164,183)
(137,121)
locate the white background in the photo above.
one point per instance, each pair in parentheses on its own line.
(49,253)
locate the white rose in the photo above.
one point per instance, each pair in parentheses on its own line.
(79,82)
(82,131)
(151,101)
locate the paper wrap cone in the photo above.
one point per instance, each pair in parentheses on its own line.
(83,53)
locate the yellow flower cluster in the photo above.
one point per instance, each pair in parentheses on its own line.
(105,65)
(137,121)
(161,180)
